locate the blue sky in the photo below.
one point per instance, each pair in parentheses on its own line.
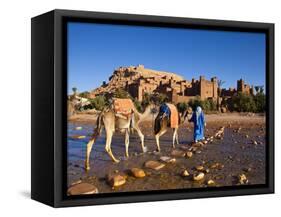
(95,50)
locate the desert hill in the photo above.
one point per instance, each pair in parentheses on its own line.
(123,76)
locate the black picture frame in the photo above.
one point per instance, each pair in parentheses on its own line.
(49,110)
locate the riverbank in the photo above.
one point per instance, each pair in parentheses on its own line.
(241,151)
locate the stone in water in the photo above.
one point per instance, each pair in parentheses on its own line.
(138,173)
(177,153)
(185,173)
(78,137)
(243,179)
(116,180)
(189,154)
(155,165)
(200,168)
(82,189)
(167,159)
(198,177)
(210,182)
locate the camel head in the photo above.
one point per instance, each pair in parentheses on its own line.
(185,114)
(151,110)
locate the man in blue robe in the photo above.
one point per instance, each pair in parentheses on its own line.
(199,124)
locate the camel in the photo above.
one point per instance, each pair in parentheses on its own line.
(161,126)
(110,121)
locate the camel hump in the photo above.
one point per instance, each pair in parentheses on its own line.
(174,117)
(123,106)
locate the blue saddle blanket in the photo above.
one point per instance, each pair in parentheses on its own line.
(164,109)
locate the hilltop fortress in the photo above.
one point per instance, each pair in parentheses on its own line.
(138,80)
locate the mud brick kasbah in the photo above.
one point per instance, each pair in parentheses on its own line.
(138,80)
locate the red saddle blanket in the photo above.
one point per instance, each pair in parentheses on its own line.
(174,119)
(123,107)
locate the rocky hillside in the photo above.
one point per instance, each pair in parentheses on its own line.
(127,75)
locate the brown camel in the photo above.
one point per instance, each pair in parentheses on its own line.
(162,123)
(110,121)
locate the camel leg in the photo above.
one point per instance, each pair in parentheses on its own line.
(144,148)
(157,137)
(88,151)
(127,142)
(109,135)
(177,136)
(174,136)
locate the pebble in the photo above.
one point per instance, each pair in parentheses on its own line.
(116,180)
(78,137)
(138,173)
(167,159)
(220,166)
(189,154)
(254,142)
(211,182)
(198,177)
(242,179)
(185,173)
(155,165)
(82,189)
(219,134)
(200,168)
(177,153)
(217,166)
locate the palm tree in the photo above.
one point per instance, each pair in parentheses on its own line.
(261,89)
(220,83)
(257,89)
(74,89)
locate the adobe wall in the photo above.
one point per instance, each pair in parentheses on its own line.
(208,89)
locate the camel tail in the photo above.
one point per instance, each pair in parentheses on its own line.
(99,125)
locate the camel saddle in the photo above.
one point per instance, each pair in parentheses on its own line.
(170,110)
(174,117)
(123,108)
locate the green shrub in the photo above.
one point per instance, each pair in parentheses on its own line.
(243,103)
(98,103)
(182,106)
(84,94)
(206,105)
(260,102)
(193,103)
(156,98)
(121,93)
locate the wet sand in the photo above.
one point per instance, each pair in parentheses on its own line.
(240,152)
